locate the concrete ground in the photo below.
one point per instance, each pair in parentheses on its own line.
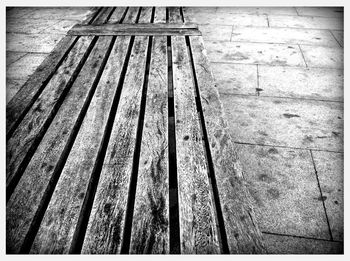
(279,72)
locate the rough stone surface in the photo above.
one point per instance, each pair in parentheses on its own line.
(306,83)
(285,122)
(257,53)
(284,35)
(323,56)
(277,244)
(236,78)
(306,22)
(329,168)
(321,11)
(283,184)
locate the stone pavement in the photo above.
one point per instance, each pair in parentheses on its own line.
(31,34)
(279,72)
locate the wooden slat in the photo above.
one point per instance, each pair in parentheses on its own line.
(160,15)
(113,30)
(243,235)
(24,97)
(33,123)
(21,208)
(117,15)
(104,232)
(106,224)
(196,210)
(174,15)
(150,229)
(71,187)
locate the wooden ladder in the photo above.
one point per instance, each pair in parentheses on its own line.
(117,144)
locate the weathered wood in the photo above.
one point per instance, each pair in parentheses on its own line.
(243,235)
(116,16)
(150,229)
(24,98)
(174,15)
(160,16)
(197,215)
(114,29)
(71,187)
(26,197)
(105,228)
(33,124)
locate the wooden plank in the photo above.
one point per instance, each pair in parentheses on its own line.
(160,15)
(150,228)
(70,190)
(112,29)
(117,15)
(198,228)
(33,124)
(105,228)
(24,98)
(243,235)
(26,197)
(175,15)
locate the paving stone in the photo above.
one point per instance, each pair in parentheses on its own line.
(321,11)
(277,244)
(216,32)
(62,27)
(258,10)
(312,83)
(306,22)
(11,57)
(12,87)
(284,187)
(339,35)
(200,9)
(40,43)
(57,13)
(284,35)
(236,78)
(319,56)
(257,53)
(285,122)
(17,12)
(330,169)
(227,19)
(28,26)
(25,66)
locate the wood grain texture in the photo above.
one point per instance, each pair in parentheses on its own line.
(145,29)
(56,237)
(106,223)
(71,187)
(197,216)
(32,124)
(174,15)
(26,197)
(150,228)
(24,97)
(160,15)
(117,15)
(243,235)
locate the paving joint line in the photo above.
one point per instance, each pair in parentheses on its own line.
(279,43)
(319,187)
(278,65)
(278,97)
(335,38)
(304,237)
(286,147)
(302,54)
